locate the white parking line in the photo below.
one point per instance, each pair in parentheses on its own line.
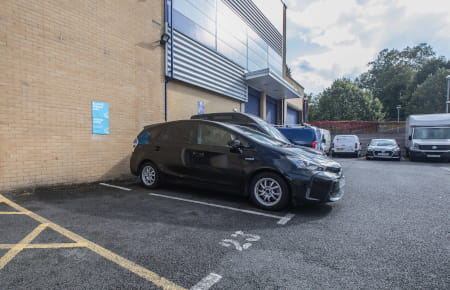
(282,220)
(446,168)
(207,282)
(285,219)
(115,186)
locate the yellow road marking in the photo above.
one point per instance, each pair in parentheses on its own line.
(107,254)
(14,212)
(46,246)
(20,246)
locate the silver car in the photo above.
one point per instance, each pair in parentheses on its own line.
(383,149)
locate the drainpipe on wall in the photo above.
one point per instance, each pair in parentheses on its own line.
(166,28)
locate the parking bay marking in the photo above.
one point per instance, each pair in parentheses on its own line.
(115,186)
(446,168)
(81,242)
(207,282)
(282,220)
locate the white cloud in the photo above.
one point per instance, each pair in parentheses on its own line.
(350,33)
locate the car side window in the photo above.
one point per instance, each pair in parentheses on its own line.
(177,133)
(214,136)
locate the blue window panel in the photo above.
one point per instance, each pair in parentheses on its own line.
(292,116)
(275,61)
(193,30)
(271,110)
(203,13)
(253,104)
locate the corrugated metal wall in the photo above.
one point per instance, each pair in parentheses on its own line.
(199,66)
(256,20)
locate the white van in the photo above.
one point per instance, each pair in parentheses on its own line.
(346,145)
(325,144)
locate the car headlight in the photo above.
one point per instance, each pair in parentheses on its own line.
(396,149)
(305,164)
(369,149)
(415,146)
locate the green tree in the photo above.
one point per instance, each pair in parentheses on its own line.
(430,96)
(392,75)
(344,100)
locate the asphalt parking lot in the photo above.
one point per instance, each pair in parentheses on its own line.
(390,231)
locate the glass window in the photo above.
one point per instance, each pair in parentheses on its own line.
(144,137)
(189,28)
(177,133)
(275,61)
(214,136)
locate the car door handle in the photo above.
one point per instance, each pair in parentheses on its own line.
(198,154)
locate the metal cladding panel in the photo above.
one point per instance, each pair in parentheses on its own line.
(200,66)
(250,13)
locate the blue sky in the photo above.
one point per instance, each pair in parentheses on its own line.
(330,39)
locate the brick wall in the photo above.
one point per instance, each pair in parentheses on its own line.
(55,58)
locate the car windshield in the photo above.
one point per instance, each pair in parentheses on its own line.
(383,143)
(431,133)
(344,139)
(260,137)
(299,134)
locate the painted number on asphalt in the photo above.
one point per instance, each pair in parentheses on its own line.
(240,241)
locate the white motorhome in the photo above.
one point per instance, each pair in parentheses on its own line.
(428,137)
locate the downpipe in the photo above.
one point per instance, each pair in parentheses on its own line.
(166,28)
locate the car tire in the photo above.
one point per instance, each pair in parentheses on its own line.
(368,158)
(149,175)
(269,191)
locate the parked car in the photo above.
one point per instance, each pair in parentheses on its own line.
(428,137)
(346,145)
(303,136)
(244,119)
(325,144)
(236,159)
(383,149)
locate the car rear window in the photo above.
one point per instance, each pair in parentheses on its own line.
(144,137)
(299,134)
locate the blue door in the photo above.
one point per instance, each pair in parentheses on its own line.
(292,116)
(252,106)
(271,110)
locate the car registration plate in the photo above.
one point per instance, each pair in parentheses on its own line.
(383,154)
(339,149)
(433,155)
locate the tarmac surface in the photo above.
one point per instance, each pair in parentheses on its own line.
(390,231)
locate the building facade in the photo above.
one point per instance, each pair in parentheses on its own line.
(61,60)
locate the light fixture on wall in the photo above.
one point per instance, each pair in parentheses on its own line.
(164,39)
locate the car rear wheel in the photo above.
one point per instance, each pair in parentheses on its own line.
(269,191)
(149,175)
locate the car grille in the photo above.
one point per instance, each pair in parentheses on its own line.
(379,152)
(434,147)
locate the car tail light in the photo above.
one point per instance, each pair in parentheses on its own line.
(332,145)
(314,144)
(356,145)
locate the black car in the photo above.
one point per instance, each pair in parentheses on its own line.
(244,119)
(236,159)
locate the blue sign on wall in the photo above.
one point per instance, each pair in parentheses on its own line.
(201,108)
(100,118)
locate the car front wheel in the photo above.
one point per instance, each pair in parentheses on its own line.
(269,191)
(149,175)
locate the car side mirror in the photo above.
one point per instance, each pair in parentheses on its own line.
(235,146)
(410,138)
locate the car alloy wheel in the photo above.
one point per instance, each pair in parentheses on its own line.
(269,191)
(149,175)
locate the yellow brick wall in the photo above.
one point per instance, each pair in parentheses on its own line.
(183,100)
(55,58)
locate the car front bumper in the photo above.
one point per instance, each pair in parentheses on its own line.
(383,154)
(430,154)
(319,188)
